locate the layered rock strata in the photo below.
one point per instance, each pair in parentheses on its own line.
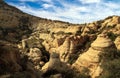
(91,60)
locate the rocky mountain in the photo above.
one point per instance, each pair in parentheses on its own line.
(33,47)
(15,24)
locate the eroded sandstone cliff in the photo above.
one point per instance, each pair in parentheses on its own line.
(32,47)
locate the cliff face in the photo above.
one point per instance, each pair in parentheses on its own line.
(100,49)
(40,48)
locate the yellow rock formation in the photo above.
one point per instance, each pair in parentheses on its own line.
(91,59)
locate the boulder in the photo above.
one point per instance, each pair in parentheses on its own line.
(55,66)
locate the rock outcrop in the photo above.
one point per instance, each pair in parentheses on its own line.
(117,42)
(54,65)
(35,55)
(71,29)
(54,62)
(112,21)
(91,60)
(70,46)
(65,46)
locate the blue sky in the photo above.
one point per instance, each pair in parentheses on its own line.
(74,11)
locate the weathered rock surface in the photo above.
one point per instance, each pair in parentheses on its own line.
(35,55)
(110,22)
(54,66)
(117,42)
(70,46)
(71,29)
(91,59)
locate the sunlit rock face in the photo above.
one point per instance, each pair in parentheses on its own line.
(117,42)
(111,21)
(70,46)
(69,29)
(64,45)
(54,64)
(91,59)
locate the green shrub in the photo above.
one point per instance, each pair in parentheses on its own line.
(110,27)
(92,31)
(73,58)
(60,32)
(78,33)
(69,33)
(112,36)
(87,45)
(111,69)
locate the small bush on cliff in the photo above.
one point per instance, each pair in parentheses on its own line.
(112,36)
(60,32)
(92,31)
(73,58)
(110,27)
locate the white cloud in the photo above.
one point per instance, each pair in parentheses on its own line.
(89,1)
(47,5)
(112,5)
(74,13)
